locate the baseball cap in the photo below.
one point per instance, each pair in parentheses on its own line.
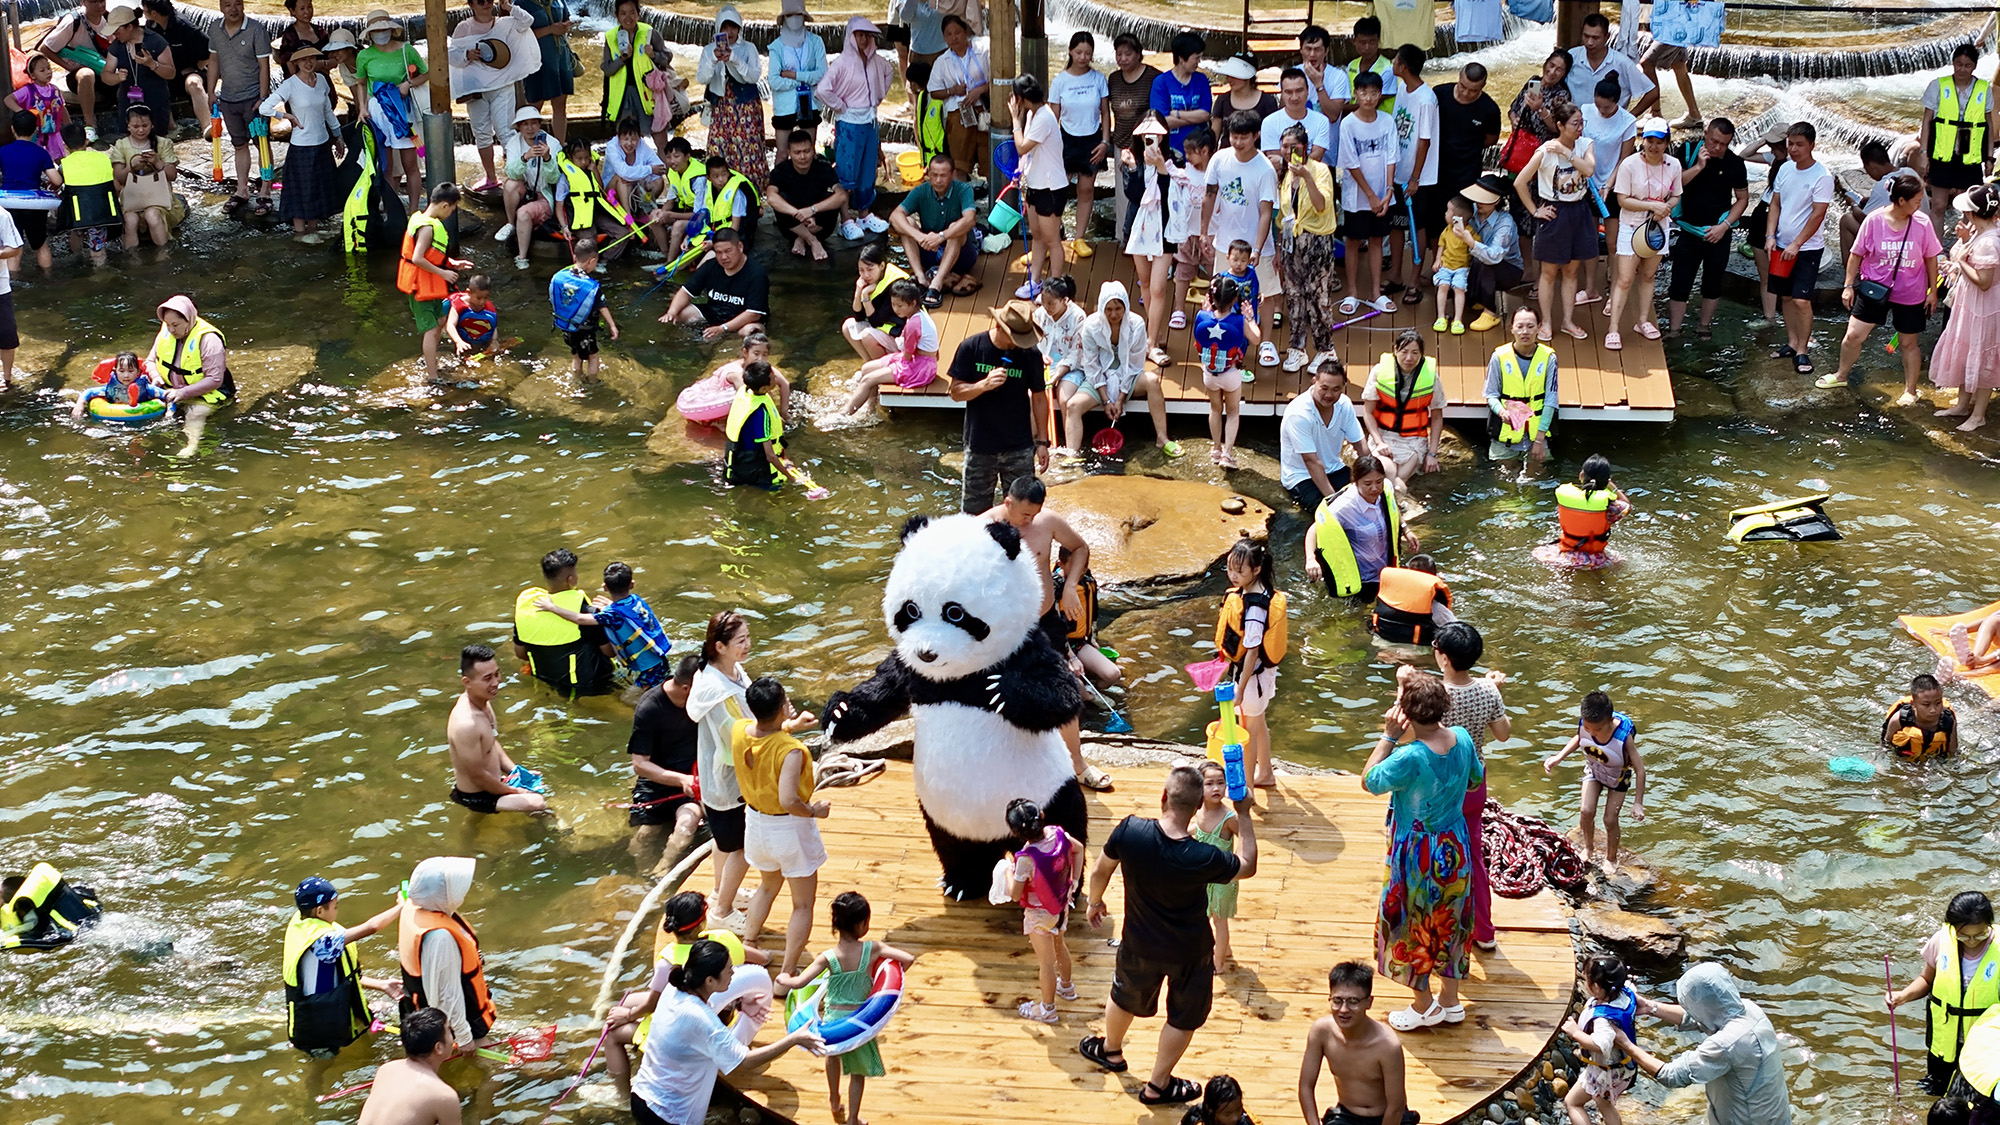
(314,893)
(1655,127)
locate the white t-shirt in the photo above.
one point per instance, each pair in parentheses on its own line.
(686,1048)
(1042,168)
(1583,78)
(1964,92)
(1081,97)
(1417,119)
(1318,131)
(1797,190)
(1367,148)
(1240,185)
(1337,86)
(638,169)
(1302,432)
(10,238)
(1607,135)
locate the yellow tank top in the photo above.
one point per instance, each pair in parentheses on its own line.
(760,762)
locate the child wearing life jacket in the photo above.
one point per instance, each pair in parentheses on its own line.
(90,194)
(1921,724)
(1043,879)
(472,321)
(578,300)
(1215,823)
(1222,335)
(128,386)
(628,623)
(872,330)
(1609,1072)
(1612,768)
(1585,512)
(913,365)
(1411,603)
(1250,634)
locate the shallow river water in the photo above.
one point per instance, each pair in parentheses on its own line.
(229,674)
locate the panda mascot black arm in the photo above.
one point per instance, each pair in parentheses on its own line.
(989,691)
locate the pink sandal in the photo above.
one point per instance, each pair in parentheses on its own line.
(1647,329)
(1612,343)
(1576,333)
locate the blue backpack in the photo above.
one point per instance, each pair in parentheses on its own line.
(573,295)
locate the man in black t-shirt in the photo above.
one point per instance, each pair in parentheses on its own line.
(662,749)
(1468,123)
(1715,191)
(806,194)
(998,375)
(1165,938)
(728,293)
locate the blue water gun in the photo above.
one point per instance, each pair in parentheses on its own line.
(1232,742)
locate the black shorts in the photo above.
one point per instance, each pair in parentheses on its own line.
(1569,237)
(1802,281)
(1135,988)
(726,825)
(10,337)
(477,802)
(1076,154)
(1057,627)
(582,342)
(34,227)
(666,812)
(1399,211)
(1045,201)
(1692,253)
(1307,496)
(1954,176)
(1755,224)
(1359,225)
(642,1114)
(1430,208)
(1338,1115)
(1910,320)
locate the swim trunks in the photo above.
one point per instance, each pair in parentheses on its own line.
(1341,1115)
(478,801)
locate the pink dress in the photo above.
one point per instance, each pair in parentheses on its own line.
(1967,355)
(46,103)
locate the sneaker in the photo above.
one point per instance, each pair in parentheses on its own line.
(1029,290)
(505,232)
(1066,989)
(1458,328)
(1440,324)
(1038,1011)
(853,231)
(1385,303)
(1486,321)
(873,223)
(521,263)
(90,134)
(1267,354)
(1295,359)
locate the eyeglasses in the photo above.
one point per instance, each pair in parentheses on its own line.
(1980,934)
(1343,1003)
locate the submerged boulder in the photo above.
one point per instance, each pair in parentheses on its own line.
(1639,939)
(1145,529)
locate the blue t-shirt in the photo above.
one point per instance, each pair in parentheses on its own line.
(1248,284)
(22,164)
(1171,95)
(1220,339)
(1426,787)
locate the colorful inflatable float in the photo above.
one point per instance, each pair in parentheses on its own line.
(805,1007)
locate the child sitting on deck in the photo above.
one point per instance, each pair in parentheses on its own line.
(913,365)
(850,969)
(128,386)
(1921,724)
(1609,1073)
(1612,768)
(1060,318)
(1043,878)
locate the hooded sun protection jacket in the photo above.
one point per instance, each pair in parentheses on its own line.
(745,67)
(1108,364)
(716,702)
(1740,1062)
(799,51)
(857,81)
(439,885)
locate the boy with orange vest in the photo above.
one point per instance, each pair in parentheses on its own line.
(425,272)
(442,966)
(1411,603)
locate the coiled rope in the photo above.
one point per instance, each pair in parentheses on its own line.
(1524,854)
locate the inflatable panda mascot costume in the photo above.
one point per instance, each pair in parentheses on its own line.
(987,686)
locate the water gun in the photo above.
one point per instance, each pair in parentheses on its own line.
(1232,742)
(260,128)
(813,490)
(215,138)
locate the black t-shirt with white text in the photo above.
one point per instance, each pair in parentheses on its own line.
(998,421)
(723,298)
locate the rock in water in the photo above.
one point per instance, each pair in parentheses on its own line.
(1145,529)
(1638,938)
(677,441)
(1234,505)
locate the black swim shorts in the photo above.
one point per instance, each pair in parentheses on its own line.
(477,802)
(1136,981)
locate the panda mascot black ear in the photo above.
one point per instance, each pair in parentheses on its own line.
(913,525)
(1005,535)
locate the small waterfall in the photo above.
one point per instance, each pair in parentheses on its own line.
(1787,65)
(1834,130)
(1157,34)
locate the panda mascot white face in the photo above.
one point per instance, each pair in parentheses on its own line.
(988,688)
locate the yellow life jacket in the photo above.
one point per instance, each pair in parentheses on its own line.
(1953,1005)
(1979,1056)
(1901,733)
(1957,139)
(744,462)
(1531,386)
(1337,554)
(45,911)
(885,317)
(181,359)
(540,627)
(89,188)
(721,202)
(930,125)
(667,947)
(1382,67)
(584,194)
(683,184)
(1229,626)
(326,1020)
(635,70)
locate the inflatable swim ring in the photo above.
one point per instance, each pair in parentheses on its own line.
(29,200)
(706,400)
(1552,554)
(804,1007)
(106,411)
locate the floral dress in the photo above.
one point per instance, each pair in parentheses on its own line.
(1425,919)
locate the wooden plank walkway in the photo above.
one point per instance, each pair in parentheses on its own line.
(1631,385)
(958,1051)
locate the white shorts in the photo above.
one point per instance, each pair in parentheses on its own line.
(1230,380)
(1258,692)
(491,114)
(1406,449)
(1268,282)
(856,329)
(1609,1084)
(789,845)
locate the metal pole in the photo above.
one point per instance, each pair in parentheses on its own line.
(440,144)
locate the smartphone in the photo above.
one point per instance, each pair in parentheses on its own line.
(1534,86)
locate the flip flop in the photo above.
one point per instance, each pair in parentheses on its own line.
(1178,1090)
(1830,382)
(1577,333)
(1583,299)
(1092,1048)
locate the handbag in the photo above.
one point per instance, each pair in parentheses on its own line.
(1876,293)
(1519,149)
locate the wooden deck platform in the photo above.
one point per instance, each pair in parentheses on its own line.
(1630,385)
(958,1051)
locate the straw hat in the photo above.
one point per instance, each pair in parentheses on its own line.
(342,40)
(493,52)
(1649,239)
(379,19)
(1017,318)
(527,113)
(307,52)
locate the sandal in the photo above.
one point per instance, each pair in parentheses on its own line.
(965,288)
(1177,321)
(1545,334)
(1092,1048)
(1802,363)
(1833,381)
(1783,351)
(1178,1090)
(1647,329)
(1612,342)
(933,299)
(261,207)
(1413,297)
(1584,299)
(1576,333)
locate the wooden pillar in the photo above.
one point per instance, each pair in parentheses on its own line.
(1003,64)
(436,37)
(1569,21)
(440,137)
(1035,42)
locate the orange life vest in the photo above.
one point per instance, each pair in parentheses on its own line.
(1410,417)
(1585,518)
(1403,605)
(423,284)
(410,931)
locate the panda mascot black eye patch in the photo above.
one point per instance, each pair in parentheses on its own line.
(989,692)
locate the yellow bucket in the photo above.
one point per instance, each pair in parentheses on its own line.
(910,166)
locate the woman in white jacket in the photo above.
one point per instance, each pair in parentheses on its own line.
(1111,368)
(716,703)
(729,73)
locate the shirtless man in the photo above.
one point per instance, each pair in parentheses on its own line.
(409,1091)
(479,768)
(1363,1055)
(1021,509)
